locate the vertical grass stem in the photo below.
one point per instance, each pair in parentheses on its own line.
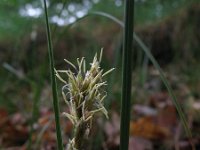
(53,82)
(126,74)
(162,76)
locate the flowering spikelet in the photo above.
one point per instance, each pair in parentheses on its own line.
(84,95)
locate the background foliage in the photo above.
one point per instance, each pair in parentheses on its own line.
(170,28)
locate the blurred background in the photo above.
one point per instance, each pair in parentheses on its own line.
(80,28)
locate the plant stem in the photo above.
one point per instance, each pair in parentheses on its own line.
(79,135)
(157,66)
(127,74)
(80,129)
(53,82)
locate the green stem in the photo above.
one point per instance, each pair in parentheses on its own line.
(53,82)
(169,89)
(127,74)
(79,135)
(157,66)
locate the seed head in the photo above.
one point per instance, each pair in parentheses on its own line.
(84,90)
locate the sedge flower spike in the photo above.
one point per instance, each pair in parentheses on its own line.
(84,94)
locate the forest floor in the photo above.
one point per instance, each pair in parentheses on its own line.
(155,124)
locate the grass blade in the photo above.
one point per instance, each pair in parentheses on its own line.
(157,66)
(162,76)
(152,59)
(126,75)
(53,81)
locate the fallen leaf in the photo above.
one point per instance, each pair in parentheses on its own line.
(147,128)
(167,117)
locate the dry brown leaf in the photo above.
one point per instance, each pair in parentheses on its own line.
(147,128)
(167,117)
